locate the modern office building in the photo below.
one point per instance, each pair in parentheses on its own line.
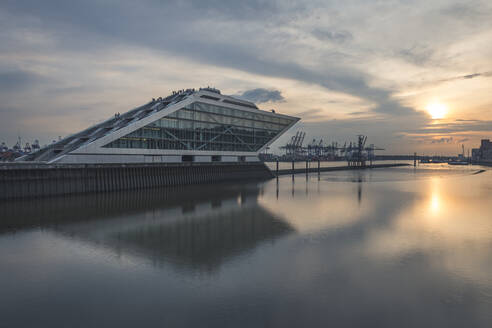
(188,126)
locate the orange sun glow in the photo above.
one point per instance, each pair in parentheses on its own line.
(437,110)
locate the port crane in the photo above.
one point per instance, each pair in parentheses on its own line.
(355,153)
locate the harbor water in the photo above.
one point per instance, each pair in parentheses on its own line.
(395,247)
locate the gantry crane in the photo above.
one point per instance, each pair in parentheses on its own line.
(356,153)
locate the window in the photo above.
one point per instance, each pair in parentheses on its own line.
(205,127)
(239,103)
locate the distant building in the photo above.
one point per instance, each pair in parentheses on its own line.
(484,153)
(475,154)
(187,126)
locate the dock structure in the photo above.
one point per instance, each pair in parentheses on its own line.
(318,169)
(30,180)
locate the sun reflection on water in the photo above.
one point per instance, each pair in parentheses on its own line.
(435,197)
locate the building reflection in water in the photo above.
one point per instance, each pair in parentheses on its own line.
(194,228)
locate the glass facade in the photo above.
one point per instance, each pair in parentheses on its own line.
(203,126)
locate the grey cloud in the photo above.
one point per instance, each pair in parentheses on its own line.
(463,120)
(461,77)
(261,95)
(442,140)
(9,123)
(471,76)
(467,11)
(417,54)
(92,106)
(240,10)
(468,76)
(17,80)
(460,126)
(311,114)
(429,139)
(347,129)
(336,78)
(59,91)
(332,35)
(124,23)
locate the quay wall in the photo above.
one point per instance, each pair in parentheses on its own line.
(483,163)
(36,180)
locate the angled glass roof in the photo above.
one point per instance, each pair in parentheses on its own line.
(202,126)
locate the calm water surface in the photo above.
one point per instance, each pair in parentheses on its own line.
(377,248)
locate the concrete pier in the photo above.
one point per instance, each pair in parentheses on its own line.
(335,168)
(19,180)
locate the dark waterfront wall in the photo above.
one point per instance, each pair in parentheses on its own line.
(35,180)
(489,163)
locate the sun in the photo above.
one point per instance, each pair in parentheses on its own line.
(437,110)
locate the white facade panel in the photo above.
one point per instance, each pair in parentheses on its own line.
(229,159)
(171,159)
(252,159)
(100,159)
(203,159)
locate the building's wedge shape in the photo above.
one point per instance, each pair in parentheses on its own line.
(189,125)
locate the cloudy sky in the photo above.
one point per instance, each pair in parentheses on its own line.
(412,75)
